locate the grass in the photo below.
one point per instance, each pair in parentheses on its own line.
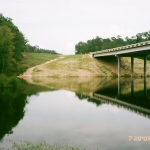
(33,59)
(78,65)
(27,145)
(66,61)
(36,70)
(74,66)
(72,57)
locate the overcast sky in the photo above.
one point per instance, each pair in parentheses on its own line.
(60,24)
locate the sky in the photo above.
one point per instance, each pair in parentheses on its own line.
(60,24)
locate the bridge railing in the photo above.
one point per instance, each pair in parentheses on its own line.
(122,47)
(134,108)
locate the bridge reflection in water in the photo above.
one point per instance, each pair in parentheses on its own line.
(131,94)
(132,87)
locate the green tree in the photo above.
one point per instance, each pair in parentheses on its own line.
(6,48)
(106,44)
(18,40)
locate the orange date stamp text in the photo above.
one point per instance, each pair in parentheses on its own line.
(139,138)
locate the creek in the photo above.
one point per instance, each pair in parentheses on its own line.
(63,111)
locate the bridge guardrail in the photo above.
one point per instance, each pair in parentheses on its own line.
(122,48)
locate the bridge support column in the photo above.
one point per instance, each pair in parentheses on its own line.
(145,62)
(132,66)
(119,88)
(145,87)
(132,86)
(119,64)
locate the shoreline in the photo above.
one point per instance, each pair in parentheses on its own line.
(82,66)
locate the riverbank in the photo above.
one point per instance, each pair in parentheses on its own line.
(30,60)
(84,66)
(73,66)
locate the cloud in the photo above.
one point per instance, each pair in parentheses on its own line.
(57,25)
(116,30)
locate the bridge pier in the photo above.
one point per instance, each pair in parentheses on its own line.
(119,88)
(132,66)
(145,63)
(119,64)
(132,86)
(145,87)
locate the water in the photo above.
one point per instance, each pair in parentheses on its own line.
(59,116)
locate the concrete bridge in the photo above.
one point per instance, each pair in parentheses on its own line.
(134,50)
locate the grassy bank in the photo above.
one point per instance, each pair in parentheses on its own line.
(33,59)
(28,60)
(84,65)
(74,66)
(77,66)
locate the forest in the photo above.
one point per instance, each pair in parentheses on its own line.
(12,44)
(36,49)
(99,43)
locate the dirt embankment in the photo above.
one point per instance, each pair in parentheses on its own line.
(29,71)
(72,66)
(84,66)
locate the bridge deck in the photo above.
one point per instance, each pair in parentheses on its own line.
(138,49)
(137,109)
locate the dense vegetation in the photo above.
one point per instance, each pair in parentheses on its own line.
(12,44)
(99,43)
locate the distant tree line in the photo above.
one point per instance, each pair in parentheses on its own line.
(36,49)
(99,43)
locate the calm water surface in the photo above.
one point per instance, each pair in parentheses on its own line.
(67,117)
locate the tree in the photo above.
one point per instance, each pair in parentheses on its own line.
(139,38)
(6,48)
(18,40)
(98,43)
(106,44)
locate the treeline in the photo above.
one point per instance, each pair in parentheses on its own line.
(12,44)
(36,49)
(99,43)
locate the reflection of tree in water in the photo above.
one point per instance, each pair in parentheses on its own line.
(89,99)
(12,103)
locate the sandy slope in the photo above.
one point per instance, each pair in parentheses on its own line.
(75,66)
(30,70)
(84,66)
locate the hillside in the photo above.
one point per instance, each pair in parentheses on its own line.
(85,66)
(32,59)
